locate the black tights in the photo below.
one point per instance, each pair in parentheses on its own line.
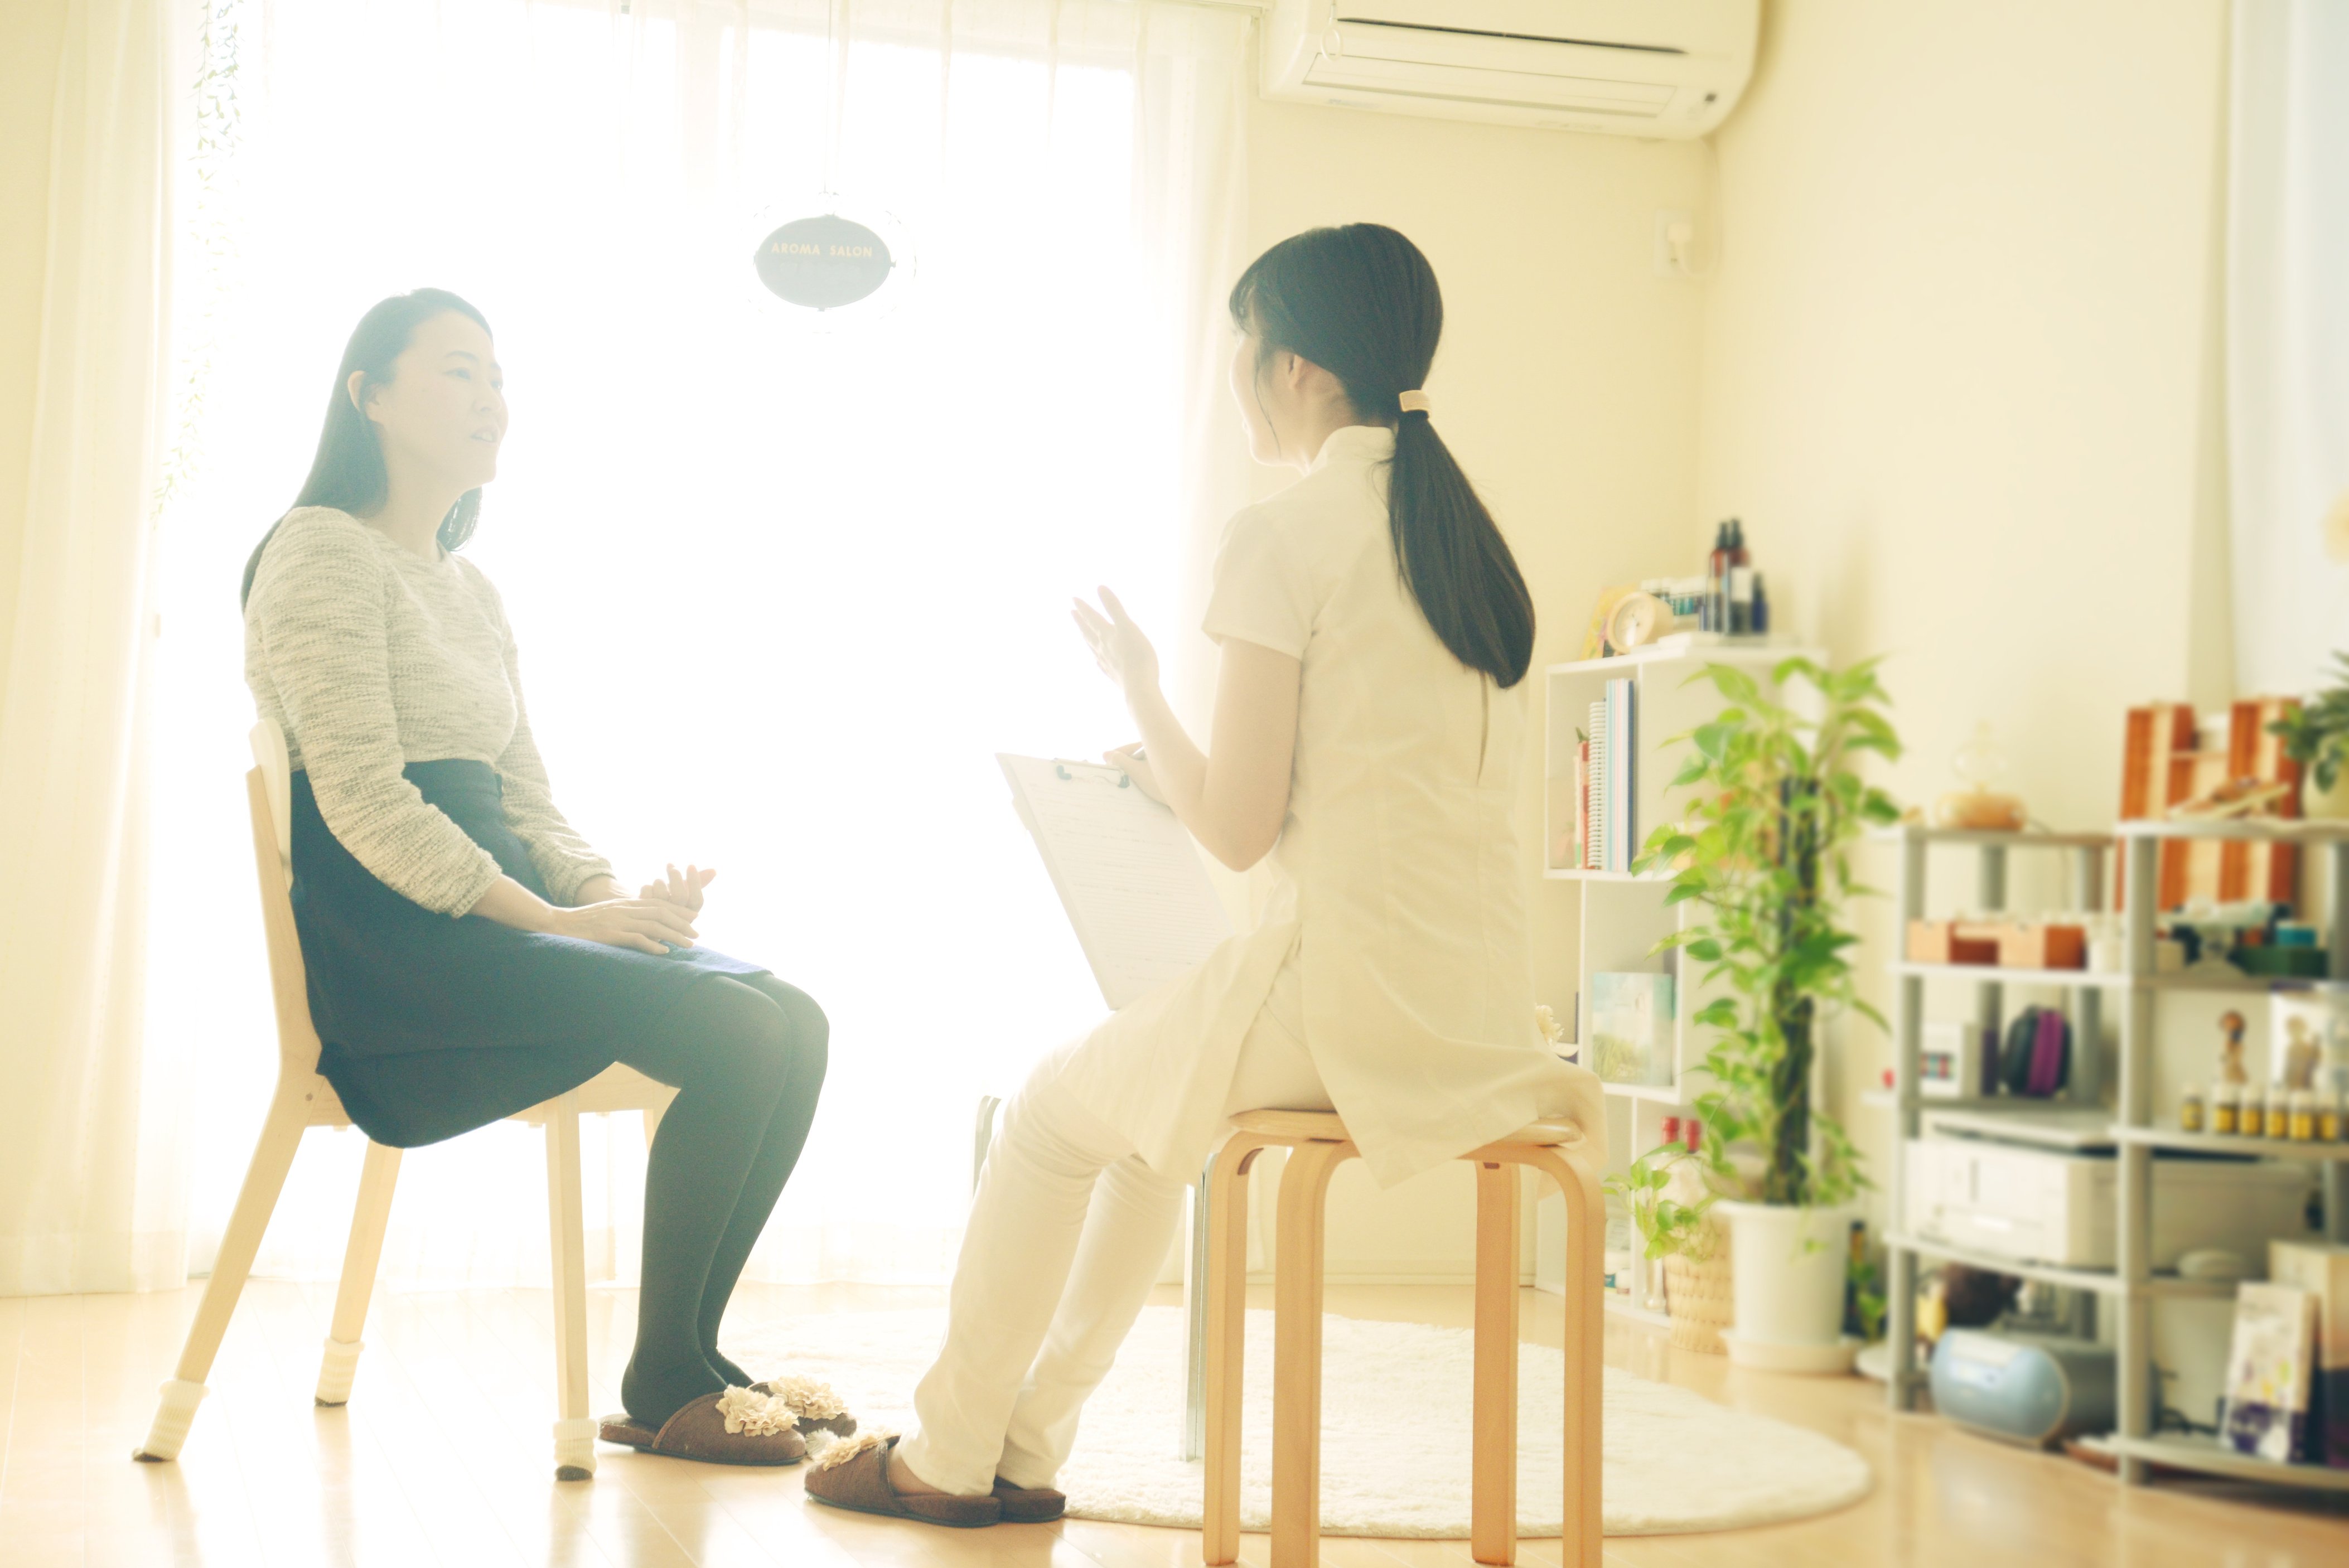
(746,1059)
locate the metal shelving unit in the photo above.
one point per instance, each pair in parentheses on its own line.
(2132,1285)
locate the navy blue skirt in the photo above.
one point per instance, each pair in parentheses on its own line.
(432,1026)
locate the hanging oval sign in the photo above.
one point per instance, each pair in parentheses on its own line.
(822,263)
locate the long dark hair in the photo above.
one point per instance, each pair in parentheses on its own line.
(349,471)
(1361,303)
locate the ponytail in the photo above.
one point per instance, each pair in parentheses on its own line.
(1363,302)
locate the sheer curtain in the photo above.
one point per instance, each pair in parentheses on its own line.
(783,580)
(88,1118)
(2288,341)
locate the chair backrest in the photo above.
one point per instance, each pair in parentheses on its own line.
(269,790)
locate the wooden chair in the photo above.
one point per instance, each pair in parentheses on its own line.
(305,1100)
(1318,1143)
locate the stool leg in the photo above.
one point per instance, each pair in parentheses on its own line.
(264,1177)
(1297,1356)
(371,1216)
(1492,1527)
(1221,1287)
(1585,1343)
(574,1431)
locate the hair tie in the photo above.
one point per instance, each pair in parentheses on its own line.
(1415,402)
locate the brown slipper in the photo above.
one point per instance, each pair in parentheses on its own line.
(818,1409)
(738,1427)
(854,1475)
(1029,1504)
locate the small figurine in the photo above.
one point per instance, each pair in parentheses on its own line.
(2300,1056)
(2231,1055)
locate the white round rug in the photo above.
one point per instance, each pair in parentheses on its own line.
(1395,1435)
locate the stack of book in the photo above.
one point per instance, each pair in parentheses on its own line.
(1606,817)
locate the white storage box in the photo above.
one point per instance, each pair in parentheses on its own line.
(2046,1206)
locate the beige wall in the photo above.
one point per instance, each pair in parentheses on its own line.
(1959,371)
(29,34)
(1567,384)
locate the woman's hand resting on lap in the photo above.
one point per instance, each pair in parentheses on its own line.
(647,924)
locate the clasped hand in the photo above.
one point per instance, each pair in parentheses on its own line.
(659,918)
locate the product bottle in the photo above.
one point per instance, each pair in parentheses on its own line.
(1761,606)
(1739,577)
(1714,614)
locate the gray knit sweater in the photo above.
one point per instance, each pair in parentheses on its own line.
(370,657)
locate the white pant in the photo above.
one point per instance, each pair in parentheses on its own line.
(1066,1238)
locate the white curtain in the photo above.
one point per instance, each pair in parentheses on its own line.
(2288,341)
(87,1120)
(783,581)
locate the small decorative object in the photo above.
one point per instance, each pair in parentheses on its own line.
(2226,1109)
(1554,1033)
(1638,619)
(2189,1109)
(1952,941)
(2036,1058)
(2308,1034)
(2278,1120)
(2231,1052)
(1979,762)
(2316,736)
(2329,1120)
(1954,1063)
(1631,1028)
(2042,944)
(2266,1408)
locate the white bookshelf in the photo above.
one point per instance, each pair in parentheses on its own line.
(1623,915)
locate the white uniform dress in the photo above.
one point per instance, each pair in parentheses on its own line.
(1389,976)
(1394,943)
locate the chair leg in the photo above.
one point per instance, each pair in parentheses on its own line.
(1585,1345)
(361,1256)
(1297,1354)
(1493,1528)
(264,1177)
(1220,1286)
(575,1432)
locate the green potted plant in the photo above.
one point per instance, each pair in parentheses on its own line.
(2316,736)
(1774,802)
(1670,1200)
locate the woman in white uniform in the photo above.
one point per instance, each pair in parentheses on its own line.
(1370,720)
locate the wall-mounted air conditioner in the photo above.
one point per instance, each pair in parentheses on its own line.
(1633,67)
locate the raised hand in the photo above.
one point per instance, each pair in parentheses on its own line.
(1118,647)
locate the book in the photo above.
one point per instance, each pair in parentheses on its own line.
(1582,802)
(2322,1269)
(1631,1028)
(2266,1410)
(1595,852)
(1622,816)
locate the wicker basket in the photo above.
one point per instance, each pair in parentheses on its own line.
(1698,1297)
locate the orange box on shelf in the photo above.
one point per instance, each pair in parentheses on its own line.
(2021,945)
(1952,942)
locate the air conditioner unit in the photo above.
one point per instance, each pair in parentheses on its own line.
(1633,67)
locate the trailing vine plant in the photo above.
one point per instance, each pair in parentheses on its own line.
(1776,804)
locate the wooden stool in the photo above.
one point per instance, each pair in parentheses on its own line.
(305,1100)
(1319,1144)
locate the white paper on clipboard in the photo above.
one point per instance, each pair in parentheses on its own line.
(1127,873)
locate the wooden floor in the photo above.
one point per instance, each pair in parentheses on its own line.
(443,1459)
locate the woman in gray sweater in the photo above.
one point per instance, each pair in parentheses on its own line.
(470,954)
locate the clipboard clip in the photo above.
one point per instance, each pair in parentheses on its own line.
(1124,780)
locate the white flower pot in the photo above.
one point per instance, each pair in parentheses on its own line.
(1788,1286)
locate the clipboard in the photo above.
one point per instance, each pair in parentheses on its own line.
(1126,871)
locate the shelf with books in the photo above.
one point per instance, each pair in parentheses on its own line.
(1624,914)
